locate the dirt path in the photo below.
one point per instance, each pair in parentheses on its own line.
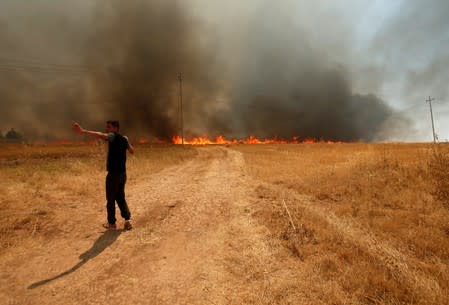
(195,242)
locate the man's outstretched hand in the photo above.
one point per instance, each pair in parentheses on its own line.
(77,127)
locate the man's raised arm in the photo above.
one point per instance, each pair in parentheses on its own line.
(78,129)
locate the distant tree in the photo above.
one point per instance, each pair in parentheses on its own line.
(13,135)
(1,135)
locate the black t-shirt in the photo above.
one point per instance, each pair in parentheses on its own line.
(118,145)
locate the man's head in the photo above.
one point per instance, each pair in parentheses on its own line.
(112,126)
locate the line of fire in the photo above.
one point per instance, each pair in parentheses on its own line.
(204,140)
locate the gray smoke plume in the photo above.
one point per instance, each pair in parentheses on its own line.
(38,96)
(409,56)
(257,68)
(289,83)
(414,48)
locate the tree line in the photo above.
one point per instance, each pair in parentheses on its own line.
(11,135)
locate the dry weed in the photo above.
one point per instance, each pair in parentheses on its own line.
(372,219)
(48,191)
(439,173)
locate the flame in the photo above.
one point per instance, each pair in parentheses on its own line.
(252,140)
(204,140)
(309,141)
(177,140)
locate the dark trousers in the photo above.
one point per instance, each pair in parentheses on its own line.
(115,191)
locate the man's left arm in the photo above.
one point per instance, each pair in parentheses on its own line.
(130,147)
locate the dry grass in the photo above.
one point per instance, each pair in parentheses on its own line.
(439,173)
(347,224)
(372,221)
(48,191)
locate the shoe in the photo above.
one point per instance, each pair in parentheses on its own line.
(128,225)
(110,226)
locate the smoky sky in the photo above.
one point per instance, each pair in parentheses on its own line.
(258,68)
(418,41)
(141,49)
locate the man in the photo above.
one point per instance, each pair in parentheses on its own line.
(116,167)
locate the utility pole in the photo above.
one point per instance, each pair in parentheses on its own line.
(431,117)
(180,105)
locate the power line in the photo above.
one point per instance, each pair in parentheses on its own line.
(40,67)
(35,62)
(43,68)
(44,65)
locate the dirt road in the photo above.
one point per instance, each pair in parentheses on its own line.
(195,242)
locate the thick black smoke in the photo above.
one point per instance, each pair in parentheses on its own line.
(140,49)
(259,74)
(287,84)
(127,56)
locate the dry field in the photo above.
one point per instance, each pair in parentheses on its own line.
(369,223)
(47,190)
(244,224)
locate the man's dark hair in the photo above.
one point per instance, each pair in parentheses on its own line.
(114,123)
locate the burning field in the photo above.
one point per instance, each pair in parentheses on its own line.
(251,140)
(318,223)
(259,177)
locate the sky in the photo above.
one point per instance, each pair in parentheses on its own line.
(421,45)
(384,57)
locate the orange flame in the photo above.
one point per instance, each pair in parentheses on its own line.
(253,140)
(204,140)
